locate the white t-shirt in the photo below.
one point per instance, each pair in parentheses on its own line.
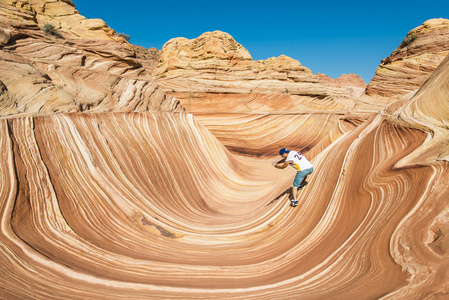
(299,161)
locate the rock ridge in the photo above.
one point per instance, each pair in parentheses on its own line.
(83,68)
(409,66)
(215,64)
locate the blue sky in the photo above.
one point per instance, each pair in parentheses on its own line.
(330,37)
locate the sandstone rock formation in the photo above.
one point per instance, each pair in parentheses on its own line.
(429,110)
(147,223)
(133,198)
(353,83)
(61,14)
(409,66)
(352,79)
(262,135)
(149,58)
(213,77)
(42,73)
(214,66)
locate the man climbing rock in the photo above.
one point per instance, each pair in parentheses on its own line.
(301,164)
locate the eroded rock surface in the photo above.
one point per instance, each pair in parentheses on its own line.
(94,71)
(353,83)
(152,205)
(110,190)
(215,78)
(149,58)
(429,110)
(409,66)
(215,65)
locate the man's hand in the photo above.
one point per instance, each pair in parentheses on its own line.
(279,163)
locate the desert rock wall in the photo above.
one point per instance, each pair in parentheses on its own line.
(429,110)
(64,17)
(153,206)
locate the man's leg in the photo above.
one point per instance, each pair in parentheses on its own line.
(295,193)
(304,180)
(303,183)
(296,184)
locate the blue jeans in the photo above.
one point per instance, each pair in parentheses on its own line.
(300,176)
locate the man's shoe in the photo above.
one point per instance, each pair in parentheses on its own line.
(294,203)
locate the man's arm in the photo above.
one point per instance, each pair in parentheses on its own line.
(282,164)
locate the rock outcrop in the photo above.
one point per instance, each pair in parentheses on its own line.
(409,66)
(429,111)
(149,58)
(62,15)
(353,83)
(67,70)
(215,78)
(214,66)
(215,63)
(352,80)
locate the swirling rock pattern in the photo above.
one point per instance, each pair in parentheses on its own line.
(110,190)
(263,135)
(44,74)
(429,110)
(62,15)
(153,206)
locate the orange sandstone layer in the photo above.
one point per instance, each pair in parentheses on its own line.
(429,110)
(263,135)
(153,206)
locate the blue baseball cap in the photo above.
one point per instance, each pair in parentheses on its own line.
(283,150)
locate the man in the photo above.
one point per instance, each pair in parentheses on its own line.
(302,166)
